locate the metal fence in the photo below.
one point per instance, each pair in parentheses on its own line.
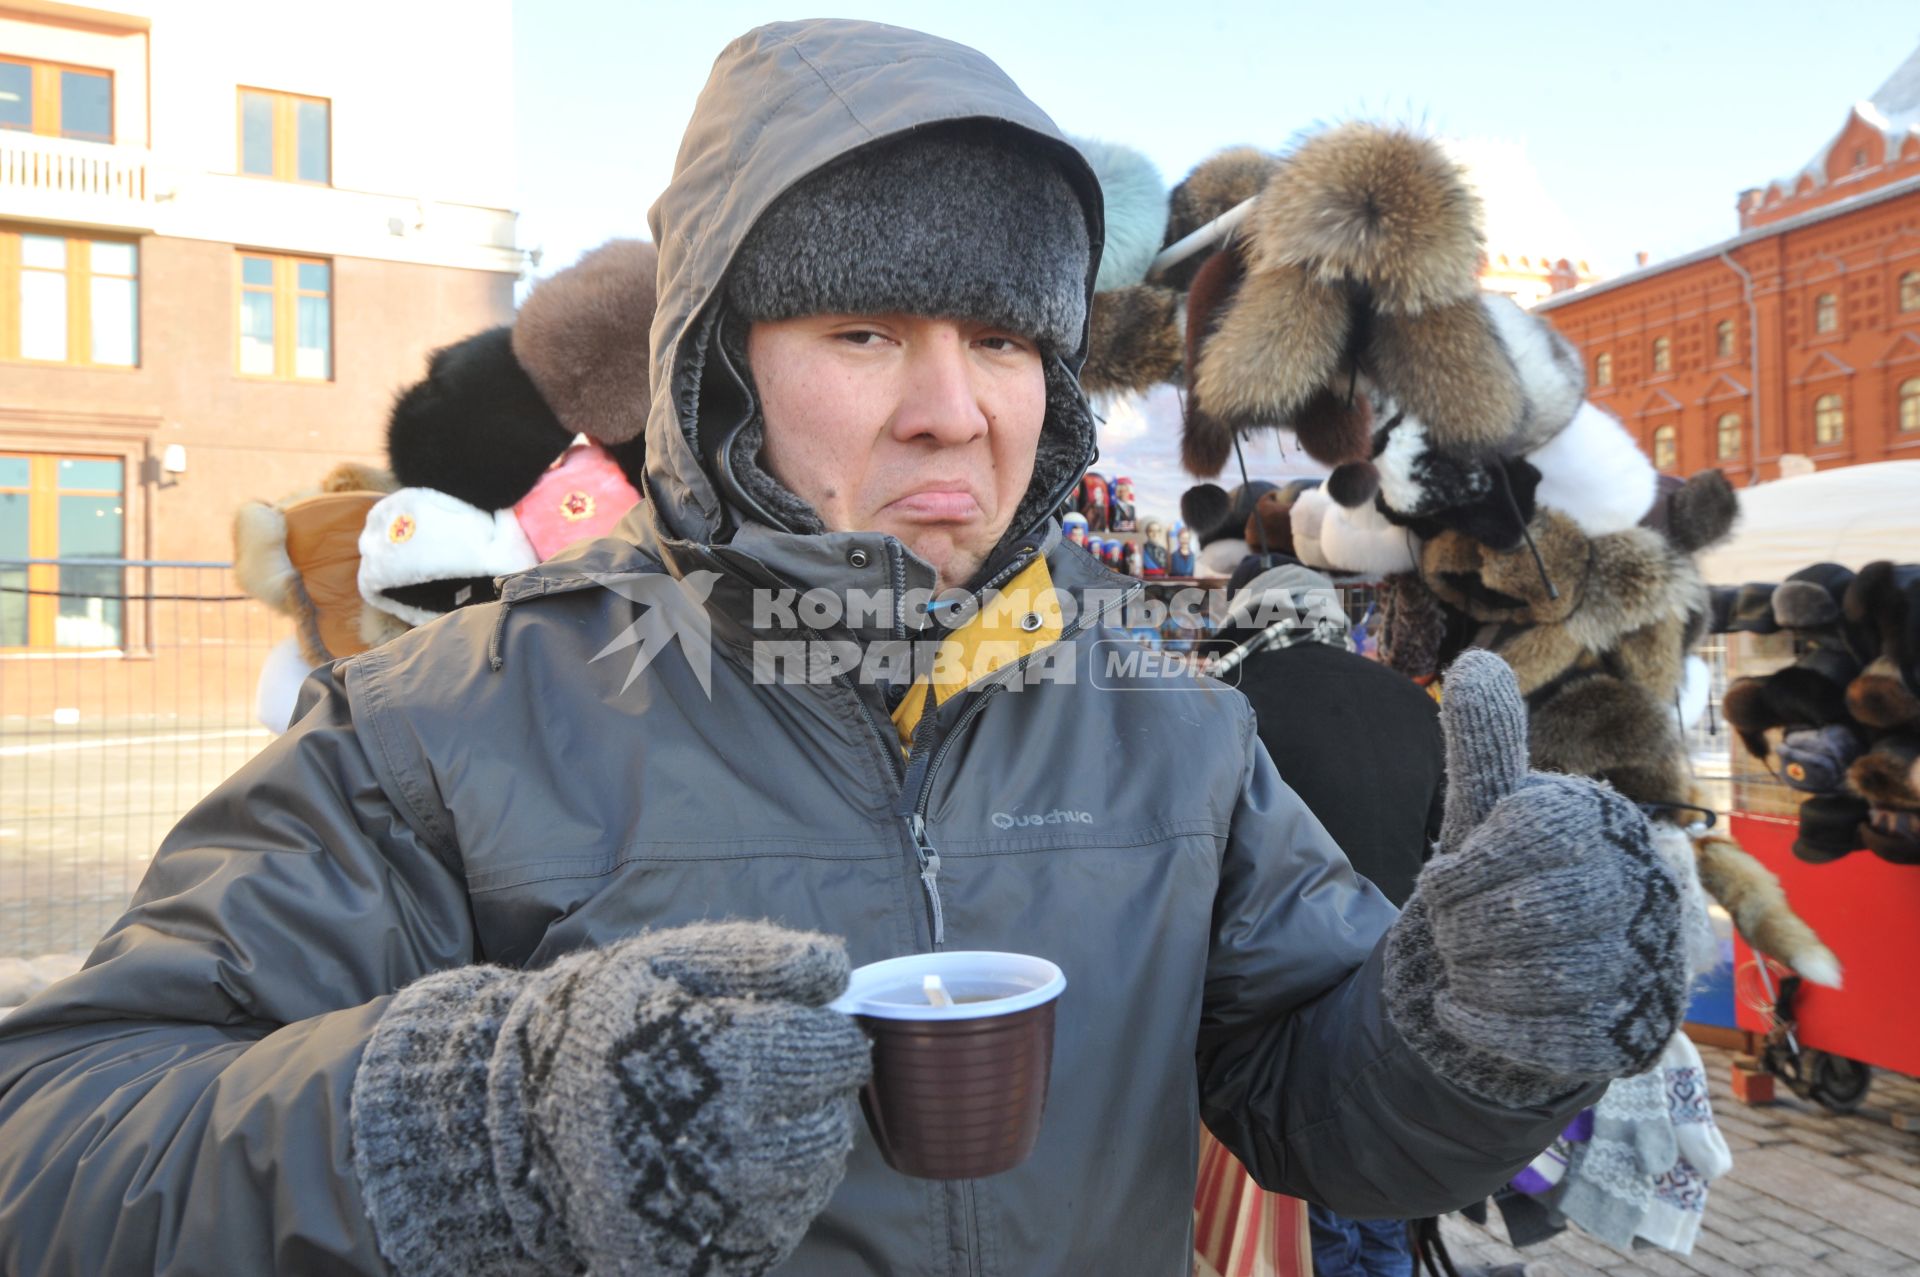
(141,702)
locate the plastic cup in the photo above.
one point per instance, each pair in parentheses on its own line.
(957,1092)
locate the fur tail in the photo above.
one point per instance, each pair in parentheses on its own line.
(1752,894)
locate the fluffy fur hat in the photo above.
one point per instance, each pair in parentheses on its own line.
(1888,775)
(1359,202)
(1430,491)
(1829,827)
(1811,692)
(298,556)
(1136,211)
(1595,473)
(1695,514)
(1361,541)
(947,220)
(1136,341)
(1308,517)
(582,337)
(1812,598)
(1883,604)
(476,427)
(1358,268)
(1218,183)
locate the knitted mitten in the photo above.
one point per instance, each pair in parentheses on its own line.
(678,1102)
(1541,949)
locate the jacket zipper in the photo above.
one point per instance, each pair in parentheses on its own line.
(916,815)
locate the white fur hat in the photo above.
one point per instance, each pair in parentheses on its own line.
(422,537)
(1360,540)
(1594,473)
(1308,515)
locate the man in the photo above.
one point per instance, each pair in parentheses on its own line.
(416,987)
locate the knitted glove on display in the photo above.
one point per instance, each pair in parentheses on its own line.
(679,1102)
(1542,947)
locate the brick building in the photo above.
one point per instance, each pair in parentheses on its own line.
(1799,335)
(229,232)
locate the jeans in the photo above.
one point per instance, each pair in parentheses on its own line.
(1358,1247)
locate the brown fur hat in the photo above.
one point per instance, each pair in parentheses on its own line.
(1628,593)
(1448,367)
(324,611)
(1136,339)
(1696,514)
(1614,730)
(1888,775)
(582,336)
(1883,606)
(1375,205)
(1218,183)
(1272,358)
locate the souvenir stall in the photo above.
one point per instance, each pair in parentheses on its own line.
(1820,603)
(1474,488)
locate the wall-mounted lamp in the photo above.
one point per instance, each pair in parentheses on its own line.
(171,462)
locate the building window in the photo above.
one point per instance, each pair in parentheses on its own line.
(67,508)
(1666,448)
(69,299)
(1603,369)
(1910,291)
(286,317)
(1829,420)
(1826,313)
(1662,354)
(55,100)
(1727,436)
(1910,406)
(1723,339)
(286,137)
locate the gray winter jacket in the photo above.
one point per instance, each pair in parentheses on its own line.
(485,789)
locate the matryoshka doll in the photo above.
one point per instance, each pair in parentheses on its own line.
(1120,512)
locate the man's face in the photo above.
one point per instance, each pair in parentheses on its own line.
(924,429)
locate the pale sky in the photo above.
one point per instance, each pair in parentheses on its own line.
(1642,120)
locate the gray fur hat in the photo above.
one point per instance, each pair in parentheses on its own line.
(949,221)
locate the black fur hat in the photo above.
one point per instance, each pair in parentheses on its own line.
(475,427)
(1829,827)
(1812,692)
(1883,604)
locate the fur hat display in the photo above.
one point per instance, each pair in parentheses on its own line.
(1135,211)
(947,220)
(1888,775)
(475,427)
(1829,827)
(424,552)
(1359,264)
(581,335)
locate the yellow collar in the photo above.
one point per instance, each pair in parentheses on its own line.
(1022,617)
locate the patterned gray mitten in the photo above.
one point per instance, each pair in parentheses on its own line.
(1542,947)
(679,1102)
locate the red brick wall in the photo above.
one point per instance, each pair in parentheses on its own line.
(1858,257)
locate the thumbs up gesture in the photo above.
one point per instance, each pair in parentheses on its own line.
(1542,947)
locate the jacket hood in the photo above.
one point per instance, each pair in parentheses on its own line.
(781,102)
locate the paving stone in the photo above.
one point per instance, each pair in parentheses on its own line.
(1701,1261)
(1825,1159)
(1893,1167)
(1890,1187)
(1845,1239)
(1891,1222)
(1799,1240)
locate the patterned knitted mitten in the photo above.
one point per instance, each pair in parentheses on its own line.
(678,1102)
(1542,947)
